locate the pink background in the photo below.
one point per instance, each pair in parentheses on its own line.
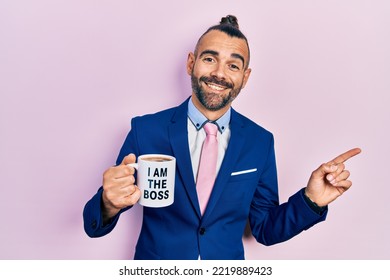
(73,74)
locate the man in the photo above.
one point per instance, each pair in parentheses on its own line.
(245,185)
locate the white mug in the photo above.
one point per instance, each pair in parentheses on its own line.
(156,179)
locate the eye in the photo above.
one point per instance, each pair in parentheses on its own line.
(208,59)
(234,67)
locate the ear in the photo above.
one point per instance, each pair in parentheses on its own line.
(247,73)
(190,63)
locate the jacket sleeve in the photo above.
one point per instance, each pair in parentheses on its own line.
(93,221)
(272,222)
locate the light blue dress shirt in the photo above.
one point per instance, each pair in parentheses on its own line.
(197,135)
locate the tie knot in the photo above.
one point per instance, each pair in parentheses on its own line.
(211,129)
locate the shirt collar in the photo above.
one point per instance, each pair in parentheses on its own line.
(199,120)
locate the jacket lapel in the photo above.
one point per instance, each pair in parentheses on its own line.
(178,135)
(233,151)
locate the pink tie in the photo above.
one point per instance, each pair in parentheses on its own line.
(207,166)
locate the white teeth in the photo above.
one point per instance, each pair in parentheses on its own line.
(215,87)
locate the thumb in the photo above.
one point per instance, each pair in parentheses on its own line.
(130,158)
(324,169)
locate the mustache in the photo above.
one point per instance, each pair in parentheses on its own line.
(213,80)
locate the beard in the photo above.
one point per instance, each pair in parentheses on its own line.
(213,101)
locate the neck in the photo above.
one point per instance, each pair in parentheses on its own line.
(210,115)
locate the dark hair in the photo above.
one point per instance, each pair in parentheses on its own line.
(228,25)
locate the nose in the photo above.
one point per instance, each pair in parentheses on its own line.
(218,71)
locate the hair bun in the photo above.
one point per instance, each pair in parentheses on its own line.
(230,20)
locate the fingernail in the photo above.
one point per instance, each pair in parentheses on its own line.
(330,178)
(333,168)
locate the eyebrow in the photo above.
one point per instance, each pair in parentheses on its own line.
(215,53)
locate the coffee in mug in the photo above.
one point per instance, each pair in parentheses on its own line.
(156,179)
(158,159)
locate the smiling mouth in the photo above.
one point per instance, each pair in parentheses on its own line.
(215,87)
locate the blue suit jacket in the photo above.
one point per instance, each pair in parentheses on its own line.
(179,231)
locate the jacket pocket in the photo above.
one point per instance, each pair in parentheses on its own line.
(245,174)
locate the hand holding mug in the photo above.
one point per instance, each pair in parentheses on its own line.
(119,189)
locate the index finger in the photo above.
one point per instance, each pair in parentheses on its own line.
(345,156)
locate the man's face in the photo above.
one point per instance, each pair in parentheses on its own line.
(219,70)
